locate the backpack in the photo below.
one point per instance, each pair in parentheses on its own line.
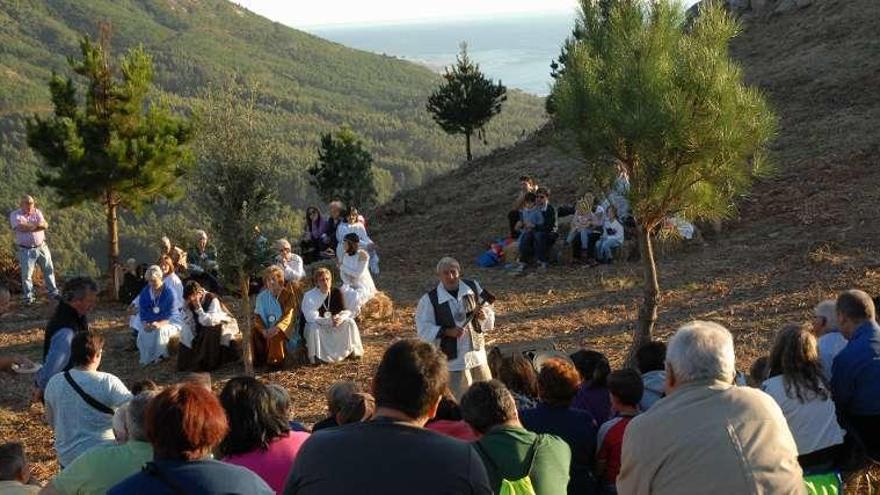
(521,486)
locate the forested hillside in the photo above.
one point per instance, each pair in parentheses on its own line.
(307,86)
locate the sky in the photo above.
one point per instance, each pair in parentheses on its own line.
(324,13)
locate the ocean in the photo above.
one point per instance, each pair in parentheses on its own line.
(516,50)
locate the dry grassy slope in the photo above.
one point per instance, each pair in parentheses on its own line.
(802,235)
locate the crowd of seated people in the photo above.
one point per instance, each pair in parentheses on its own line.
(561,424)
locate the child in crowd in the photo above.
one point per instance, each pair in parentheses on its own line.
(530,216)
(625,388)
(612,236)
(582,225)
(651,362)
(592,395)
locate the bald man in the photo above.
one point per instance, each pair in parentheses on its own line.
(30,227)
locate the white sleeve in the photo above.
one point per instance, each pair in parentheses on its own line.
(119,393)
(365,238)
(214,316)
(363,261)
(488,310)
(310,307)
(426,326)
(297,267)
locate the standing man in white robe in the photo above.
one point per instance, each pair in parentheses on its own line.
(455,316)
(331,332)
(357,283)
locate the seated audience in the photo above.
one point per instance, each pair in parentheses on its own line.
(294,271)
(275,313)
(15,471)
(527,185)
(184,424)
(582,233)
(78,298)
(100,468)
(354,223)
(158,318)
(331,332)
(518,375)
(282,402)
(132,281)
(592,395)
(357,283)
(509,451)
(80,401)
(618,196)
(313,241)
(855,374)
(625,388)
(536,243)
(338,395)
(335,219)
(699,438)
(830,340)
(612,236)
(170,278)
(177,255)
(360,407)
(651,363)
(259,436)
(557,385)
(209,335)
(796,383)
(202,262)
(393,453)
(448,420)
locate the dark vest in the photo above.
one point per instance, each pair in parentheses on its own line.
(337,303)
(64,317)
(443,317)
(206,303)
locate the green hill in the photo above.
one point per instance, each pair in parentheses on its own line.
(307,86)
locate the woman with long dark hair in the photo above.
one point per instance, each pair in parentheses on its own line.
(313,239)
(518,374)
(259,435)
(592,395)
(796,383)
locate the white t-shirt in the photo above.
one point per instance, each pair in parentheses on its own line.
(813,424)
(830,346)
(77,425)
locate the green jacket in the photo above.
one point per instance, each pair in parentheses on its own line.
(505,450)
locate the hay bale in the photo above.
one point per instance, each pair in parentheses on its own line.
(379,308)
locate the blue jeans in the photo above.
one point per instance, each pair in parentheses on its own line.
(535,244)
(604,247)
(29,258)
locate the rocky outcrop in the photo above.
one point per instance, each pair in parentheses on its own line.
(757,7)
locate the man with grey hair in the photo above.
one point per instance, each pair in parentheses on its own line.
(828,337)
(30,226)
(100,468)
(202,262)
(855,380)
(78,299)
(707,435)
(455,316)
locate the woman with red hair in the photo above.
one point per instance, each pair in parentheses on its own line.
(185,423)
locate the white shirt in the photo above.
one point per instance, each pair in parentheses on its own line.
(346,228)
(293,268)
(355,272)
(212,317)
(813,424)
(427,327)
(830,346)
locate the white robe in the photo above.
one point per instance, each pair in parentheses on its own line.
(428,329)
(212,317)
(365,243)
(357,283)
(293,268)
(324,341)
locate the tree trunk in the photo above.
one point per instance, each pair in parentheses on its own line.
(247,352)
(113,246)
(643,332)
(467,144)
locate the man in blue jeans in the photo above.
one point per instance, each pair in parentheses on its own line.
(536,243)
(30,227)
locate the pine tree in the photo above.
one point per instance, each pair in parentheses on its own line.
(237,186)
(668,105)
(344,170)
(466,101)
(119,148)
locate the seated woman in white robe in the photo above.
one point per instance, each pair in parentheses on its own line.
(331,333)
(357,283)
(291,262)
(158,318)
(354,224)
